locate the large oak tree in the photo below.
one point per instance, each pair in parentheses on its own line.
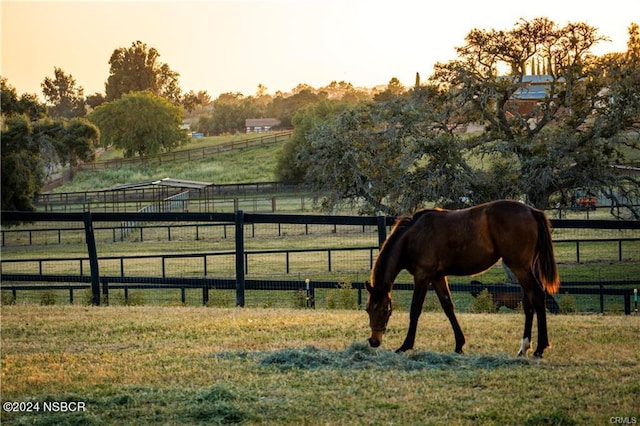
(575,135)
(140,123)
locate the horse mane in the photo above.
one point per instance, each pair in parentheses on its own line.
(401,225)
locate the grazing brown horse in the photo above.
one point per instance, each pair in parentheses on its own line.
(435,243)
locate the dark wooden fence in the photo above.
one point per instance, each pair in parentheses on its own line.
(204,199)
(88,275)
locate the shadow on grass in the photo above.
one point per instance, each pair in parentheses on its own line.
(361,356)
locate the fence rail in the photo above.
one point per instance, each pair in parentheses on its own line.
(263,196)
(239,228)
(266,139)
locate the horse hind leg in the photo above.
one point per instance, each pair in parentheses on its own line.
(533,302)
(525,345)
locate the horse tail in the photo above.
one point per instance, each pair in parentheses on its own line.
(547,267)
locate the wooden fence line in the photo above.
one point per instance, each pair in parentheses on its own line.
(238,219)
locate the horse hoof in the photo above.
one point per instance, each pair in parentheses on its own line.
(374,343)
(537,354)
(402,349)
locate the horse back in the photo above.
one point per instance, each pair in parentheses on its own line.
(468,241)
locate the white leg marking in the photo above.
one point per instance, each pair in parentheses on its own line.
(524,347)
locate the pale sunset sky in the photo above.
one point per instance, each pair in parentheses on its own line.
(232,46)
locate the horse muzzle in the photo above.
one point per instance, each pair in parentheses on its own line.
(376,338)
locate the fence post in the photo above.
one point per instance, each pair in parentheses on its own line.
(93,258)
(239,219)
(382,229)
(105,291)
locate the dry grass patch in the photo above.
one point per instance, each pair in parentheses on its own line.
(180,365)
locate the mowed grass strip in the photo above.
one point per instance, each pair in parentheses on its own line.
(188,365)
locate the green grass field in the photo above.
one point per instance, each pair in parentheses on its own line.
(168,365)
(162,364)
(242,165)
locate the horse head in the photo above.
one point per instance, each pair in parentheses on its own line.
(379,310)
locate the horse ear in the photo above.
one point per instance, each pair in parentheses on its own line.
(368,286)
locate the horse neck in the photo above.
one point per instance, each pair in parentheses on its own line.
(387,266)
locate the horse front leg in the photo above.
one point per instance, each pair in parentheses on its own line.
(441,287)
(420,288)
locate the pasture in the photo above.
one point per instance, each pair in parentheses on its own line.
(198,365)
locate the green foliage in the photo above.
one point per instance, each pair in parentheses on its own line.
(22,166)
(140,123)
(66,99)
(48,297)
(221,298)
(137,69)
(388,157)
(228,115)
(33,144)
(299,300)
(79,141)
(12,104)
(483,303)
(285,107)
(289,167)
(343,297)
(7,298)
(568,304)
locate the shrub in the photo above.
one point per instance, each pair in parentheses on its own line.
(300,299)
(220,298)
(7,298)
(48,297)
(343,297)
(483,303)
(568,304)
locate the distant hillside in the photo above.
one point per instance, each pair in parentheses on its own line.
(240,165)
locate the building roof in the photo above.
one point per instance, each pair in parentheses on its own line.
(534,87)
(261,122)
(174,183)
